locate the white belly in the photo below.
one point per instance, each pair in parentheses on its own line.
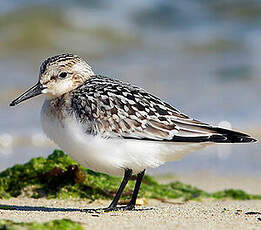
(112,156)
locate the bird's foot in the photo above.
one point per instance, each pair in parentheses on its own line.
(93,210)
(109,209)
(119,208)
(129,207)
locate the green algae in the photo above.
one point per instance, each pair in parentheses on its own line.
(62,224)
(235,195)
(58,176)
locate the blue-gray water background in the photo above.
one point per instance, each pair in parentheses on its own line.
(204,57)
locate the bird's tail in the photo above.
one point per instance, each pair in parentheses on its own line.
(230,136)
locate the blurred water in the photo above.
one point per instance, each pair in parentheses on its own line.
(204,57)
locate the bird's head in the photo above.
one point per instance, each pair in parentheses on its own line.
(58,75)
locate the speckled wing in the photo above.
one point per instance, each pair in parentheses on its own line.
(112,108)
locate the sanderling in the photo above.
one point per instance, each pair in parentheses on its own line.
(115,127)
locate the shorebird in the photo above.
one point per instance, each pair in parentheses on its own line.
(115,127)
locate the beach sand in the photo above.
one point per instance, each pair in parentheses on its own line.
(171,214)
(154,214)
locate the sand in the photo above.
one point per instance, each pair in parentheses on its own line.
(172,214)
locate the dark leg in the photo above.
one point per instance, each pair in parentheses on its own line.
(112,206)
(131,204)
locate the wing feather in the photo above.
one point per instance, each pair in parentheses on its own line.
(118,109)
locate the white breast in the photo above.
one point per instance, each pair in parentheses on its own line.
(113,155)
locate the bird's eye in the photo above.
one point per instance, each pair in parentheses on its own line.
(63,75)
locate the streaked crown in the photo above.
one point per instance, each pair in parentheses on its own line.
(56,59)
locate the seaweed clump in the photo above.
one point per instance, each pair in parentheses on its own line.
(62,224)
(58,176)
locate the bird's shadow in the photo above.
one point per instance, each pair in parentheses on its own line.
(37,208)
(48,209)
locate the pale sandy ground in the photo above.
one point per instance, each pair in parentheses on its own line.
(155,215)
(172,214)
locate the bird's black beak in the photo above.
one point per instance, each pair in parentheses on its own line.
(32,92)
